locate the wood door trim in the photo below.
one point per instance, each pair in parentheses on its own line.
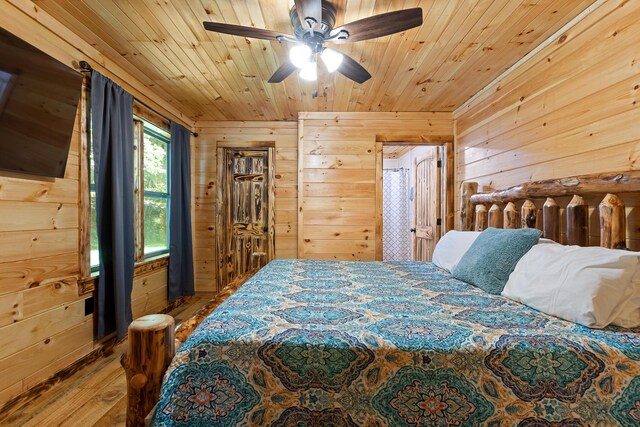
(300,188)
(271,194)
(447,180)
(379,201)
(417,140)
(448,210)
(439,186)
(221,180)
(245,144)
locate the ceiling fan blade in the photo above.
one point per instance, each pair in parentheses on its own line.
(282,72)
(352,69)
(309,9)
(240,30)
(380,25)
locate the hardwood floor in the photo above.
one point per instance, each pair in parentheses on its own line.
(93,396)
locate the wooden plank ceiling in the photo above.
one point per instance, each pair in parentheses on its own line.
(461,47)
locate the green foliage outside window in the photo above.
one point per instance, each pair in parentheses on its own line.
(156,194)
(156,189)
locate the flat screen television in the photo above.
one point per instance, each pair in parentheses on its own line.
(38,107)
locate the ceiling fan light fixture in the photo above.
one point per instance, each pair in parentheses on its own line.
(332,59)
(314,24)
(300,55)
(309,71)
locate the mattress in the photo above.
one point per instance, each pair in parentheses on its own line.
(318,343)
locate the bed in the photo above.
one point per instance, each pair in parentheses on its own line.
(326,343)
(316,343)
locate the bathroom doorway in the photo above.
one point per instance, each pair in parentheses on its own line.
(412,187)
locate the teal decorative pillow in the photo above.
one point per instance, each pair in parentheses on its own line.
(493,257)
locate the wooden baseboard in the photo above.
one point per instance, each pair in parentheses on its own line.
(207,294)
(173,305)
(106,348)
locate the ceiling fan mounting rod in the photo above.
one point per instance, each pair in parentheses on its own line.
(310,23)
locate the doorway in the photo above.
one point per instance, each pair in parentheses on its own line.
(245,211)
(412,202)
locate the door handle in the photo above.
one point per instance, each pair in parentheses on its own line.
(413,230)
(265,228)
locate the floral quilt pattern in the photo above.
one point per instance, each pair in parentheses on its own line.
(319,343)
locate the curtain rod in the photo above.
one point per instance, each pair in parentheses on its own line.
(86,67)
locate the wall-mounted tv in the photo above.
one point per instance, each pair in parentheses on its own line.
(38,105)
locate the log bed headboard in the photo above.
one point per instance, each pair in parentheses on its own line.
(498,208)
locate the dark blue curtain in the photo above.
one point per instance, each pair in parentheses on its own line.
(112,137)
(181,253)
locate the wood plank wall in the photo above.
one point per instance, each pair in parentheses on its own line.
(43,326)
(285,136)
(570,109)
(42,316)
(339,216)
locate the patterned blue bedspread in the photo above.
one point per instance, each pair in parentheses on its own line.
(315,343)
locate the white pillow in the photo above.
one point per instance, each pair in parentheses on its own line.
(451,247)
(630,314)
(591,286)
(544,241)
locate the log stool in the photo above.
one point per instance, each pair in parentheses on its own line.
(151,348)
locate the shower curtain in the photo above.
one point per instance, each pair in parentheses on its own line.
(396,239)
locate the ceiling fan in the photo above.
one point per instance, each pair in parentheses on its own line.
(313,22)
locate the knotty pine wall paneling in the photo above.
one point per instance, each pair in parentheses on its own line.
(285,135)
(42,315)
(571,109)
(339,216)
(43,325)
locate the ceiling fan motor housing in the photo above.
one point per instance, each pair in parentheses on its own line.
(321,31)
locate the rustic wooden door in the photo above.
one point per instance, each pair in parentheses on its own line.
(246,203)
(427,183)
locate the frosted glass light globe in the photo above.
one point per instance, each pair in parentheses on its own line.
(332,59)
(309,71)
(300,55)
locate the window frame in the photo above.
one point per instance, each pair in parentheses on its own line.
(88,187)
(141,255)
(94,268)
(84,204)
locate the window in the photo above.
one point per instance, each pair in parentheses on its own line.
(151,206)
(156,190)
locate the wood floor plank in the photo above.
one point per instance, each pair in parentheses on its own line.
(93,396)
(116,416)
(104,398)
(190,310)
